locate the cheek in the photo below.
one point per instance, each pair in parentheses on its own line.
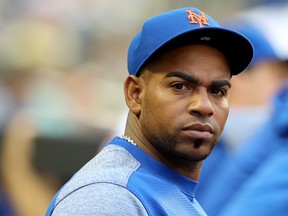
(161,108)
(222,114)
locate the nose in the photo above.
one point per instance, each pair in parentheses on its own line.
(201,104)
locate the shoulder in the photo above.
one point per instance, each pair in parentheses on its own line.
(100,199)
(111,168)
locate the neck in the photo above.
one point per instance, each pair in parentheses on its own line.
(189,169)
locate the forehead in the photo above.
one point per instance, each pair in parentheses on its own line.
(195,59)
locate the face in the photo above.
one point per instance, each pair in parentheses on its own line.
(184,102)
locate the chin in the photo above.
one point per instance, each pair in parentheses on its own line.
(192,154)
(196,152)
(200,157)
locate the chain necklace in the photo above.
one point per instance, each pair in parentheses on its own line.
(128,139)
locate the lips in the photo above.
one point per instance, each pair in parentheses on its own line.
(199,131)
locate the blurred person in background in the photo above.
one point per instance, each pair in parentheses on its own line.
(5,203)
(28,191)
(30,51)
(39,60)
(264,188)
(254,130)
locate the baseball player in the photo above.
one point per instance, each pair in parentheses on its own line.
(177,91)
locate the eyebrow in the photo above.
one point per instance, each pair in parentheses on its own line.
(220,83)
(189,78)
(195,80)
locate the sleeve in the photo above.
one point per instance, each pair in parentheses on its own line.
(100,199)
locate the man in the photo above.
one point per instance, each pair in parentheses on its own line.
(177,91)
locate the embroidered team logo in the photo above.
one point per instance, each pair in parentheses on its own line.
(197,19)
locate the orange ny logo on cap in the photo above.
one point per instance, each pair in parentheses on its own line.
(195,18)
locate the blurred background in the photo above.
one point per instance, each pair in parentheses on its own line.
(62,67)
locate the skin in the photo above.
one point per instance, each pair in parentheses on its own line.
(179,105)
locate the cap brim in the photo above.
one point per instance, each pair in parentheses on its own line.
(236,47)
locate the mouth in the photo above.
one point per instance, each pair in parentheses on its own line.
(199,131)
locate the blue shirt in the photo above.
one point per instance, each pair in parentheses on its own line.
(123,180)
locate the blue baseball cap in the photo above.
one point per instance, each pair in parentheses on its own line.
(182,26)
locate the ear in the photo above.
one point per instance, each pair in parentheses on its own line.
(132,91)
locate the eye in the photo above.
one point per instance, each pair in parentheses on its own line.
(179,86)
(219,92)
